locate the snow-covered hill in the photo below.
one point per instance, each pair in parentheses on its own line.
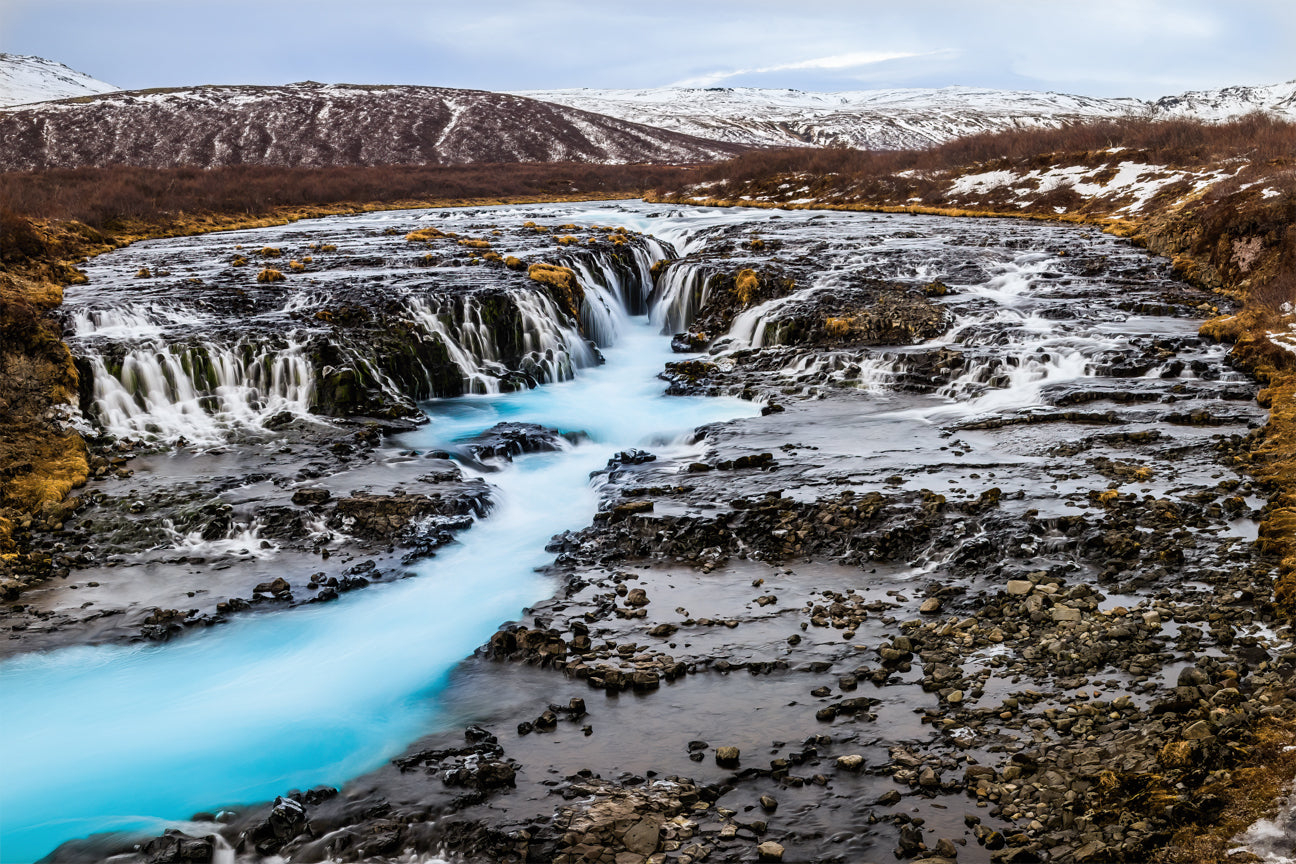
(889,119)
(319,124)
(1230,102)
(873,119)
(26,79)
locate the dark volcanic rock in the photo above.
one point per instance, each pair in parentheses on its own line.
(383,517)
(506,440)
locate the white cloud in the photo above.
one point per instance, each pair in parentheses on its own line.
(834,62)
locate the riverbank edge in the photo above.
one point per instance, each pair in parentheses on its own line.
(42,460)
(1261,782)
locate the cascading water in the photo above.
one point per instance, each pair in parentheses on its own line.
(202,391)
(117,737)
(240,714)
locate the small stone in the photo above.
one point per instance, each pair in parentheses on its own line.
(1065,613)
(768,803)
(852,762)
(727,757)
(955,697)
(637,597)
(930,606)
(1019,587)
(769,851)
(1198,730)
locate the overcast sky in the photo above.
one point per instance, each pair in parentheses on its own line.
(1143,48)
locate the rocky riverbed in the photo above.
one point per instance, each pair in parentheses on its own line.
(976,583)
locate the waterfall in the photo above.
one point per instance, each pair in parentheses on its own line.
(201,391)
(683,289)
(550,348)
(163,371)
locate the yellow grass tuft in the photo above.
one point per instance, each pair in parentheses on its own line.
(296,266)
(475,244)
(566,288)
(746,284)
(270,274)
(270,252)
(419,236)
(837,326)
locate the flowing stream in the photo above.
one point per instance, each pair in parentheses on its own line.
(108,738)
(123,737)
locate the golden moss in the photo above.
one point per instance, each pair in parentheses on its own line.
(328,247)
(566,240)
(1107,496)
(493,256)
(566,287)
(1176,754)
(746,284)
(270,252)
(60,465)
(296,266)
(475,244)
(238,261)
(143,273)
(514,263)
(422,235)
(270,274)
(835,326)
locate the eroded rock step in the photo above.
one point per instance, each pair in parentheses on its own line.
(243,389)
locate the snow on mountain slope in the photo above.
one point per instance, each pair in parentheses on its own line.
(26,79)
(1230,102)
(317,124)
(873,119)
(890,119)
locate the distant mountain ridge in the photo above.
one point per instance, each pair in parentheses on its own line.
(52,116)
(870,119)
(892,119)
(25,79)
(327,125)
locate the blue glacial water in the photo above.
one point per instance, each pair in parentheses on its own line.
(128,737)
